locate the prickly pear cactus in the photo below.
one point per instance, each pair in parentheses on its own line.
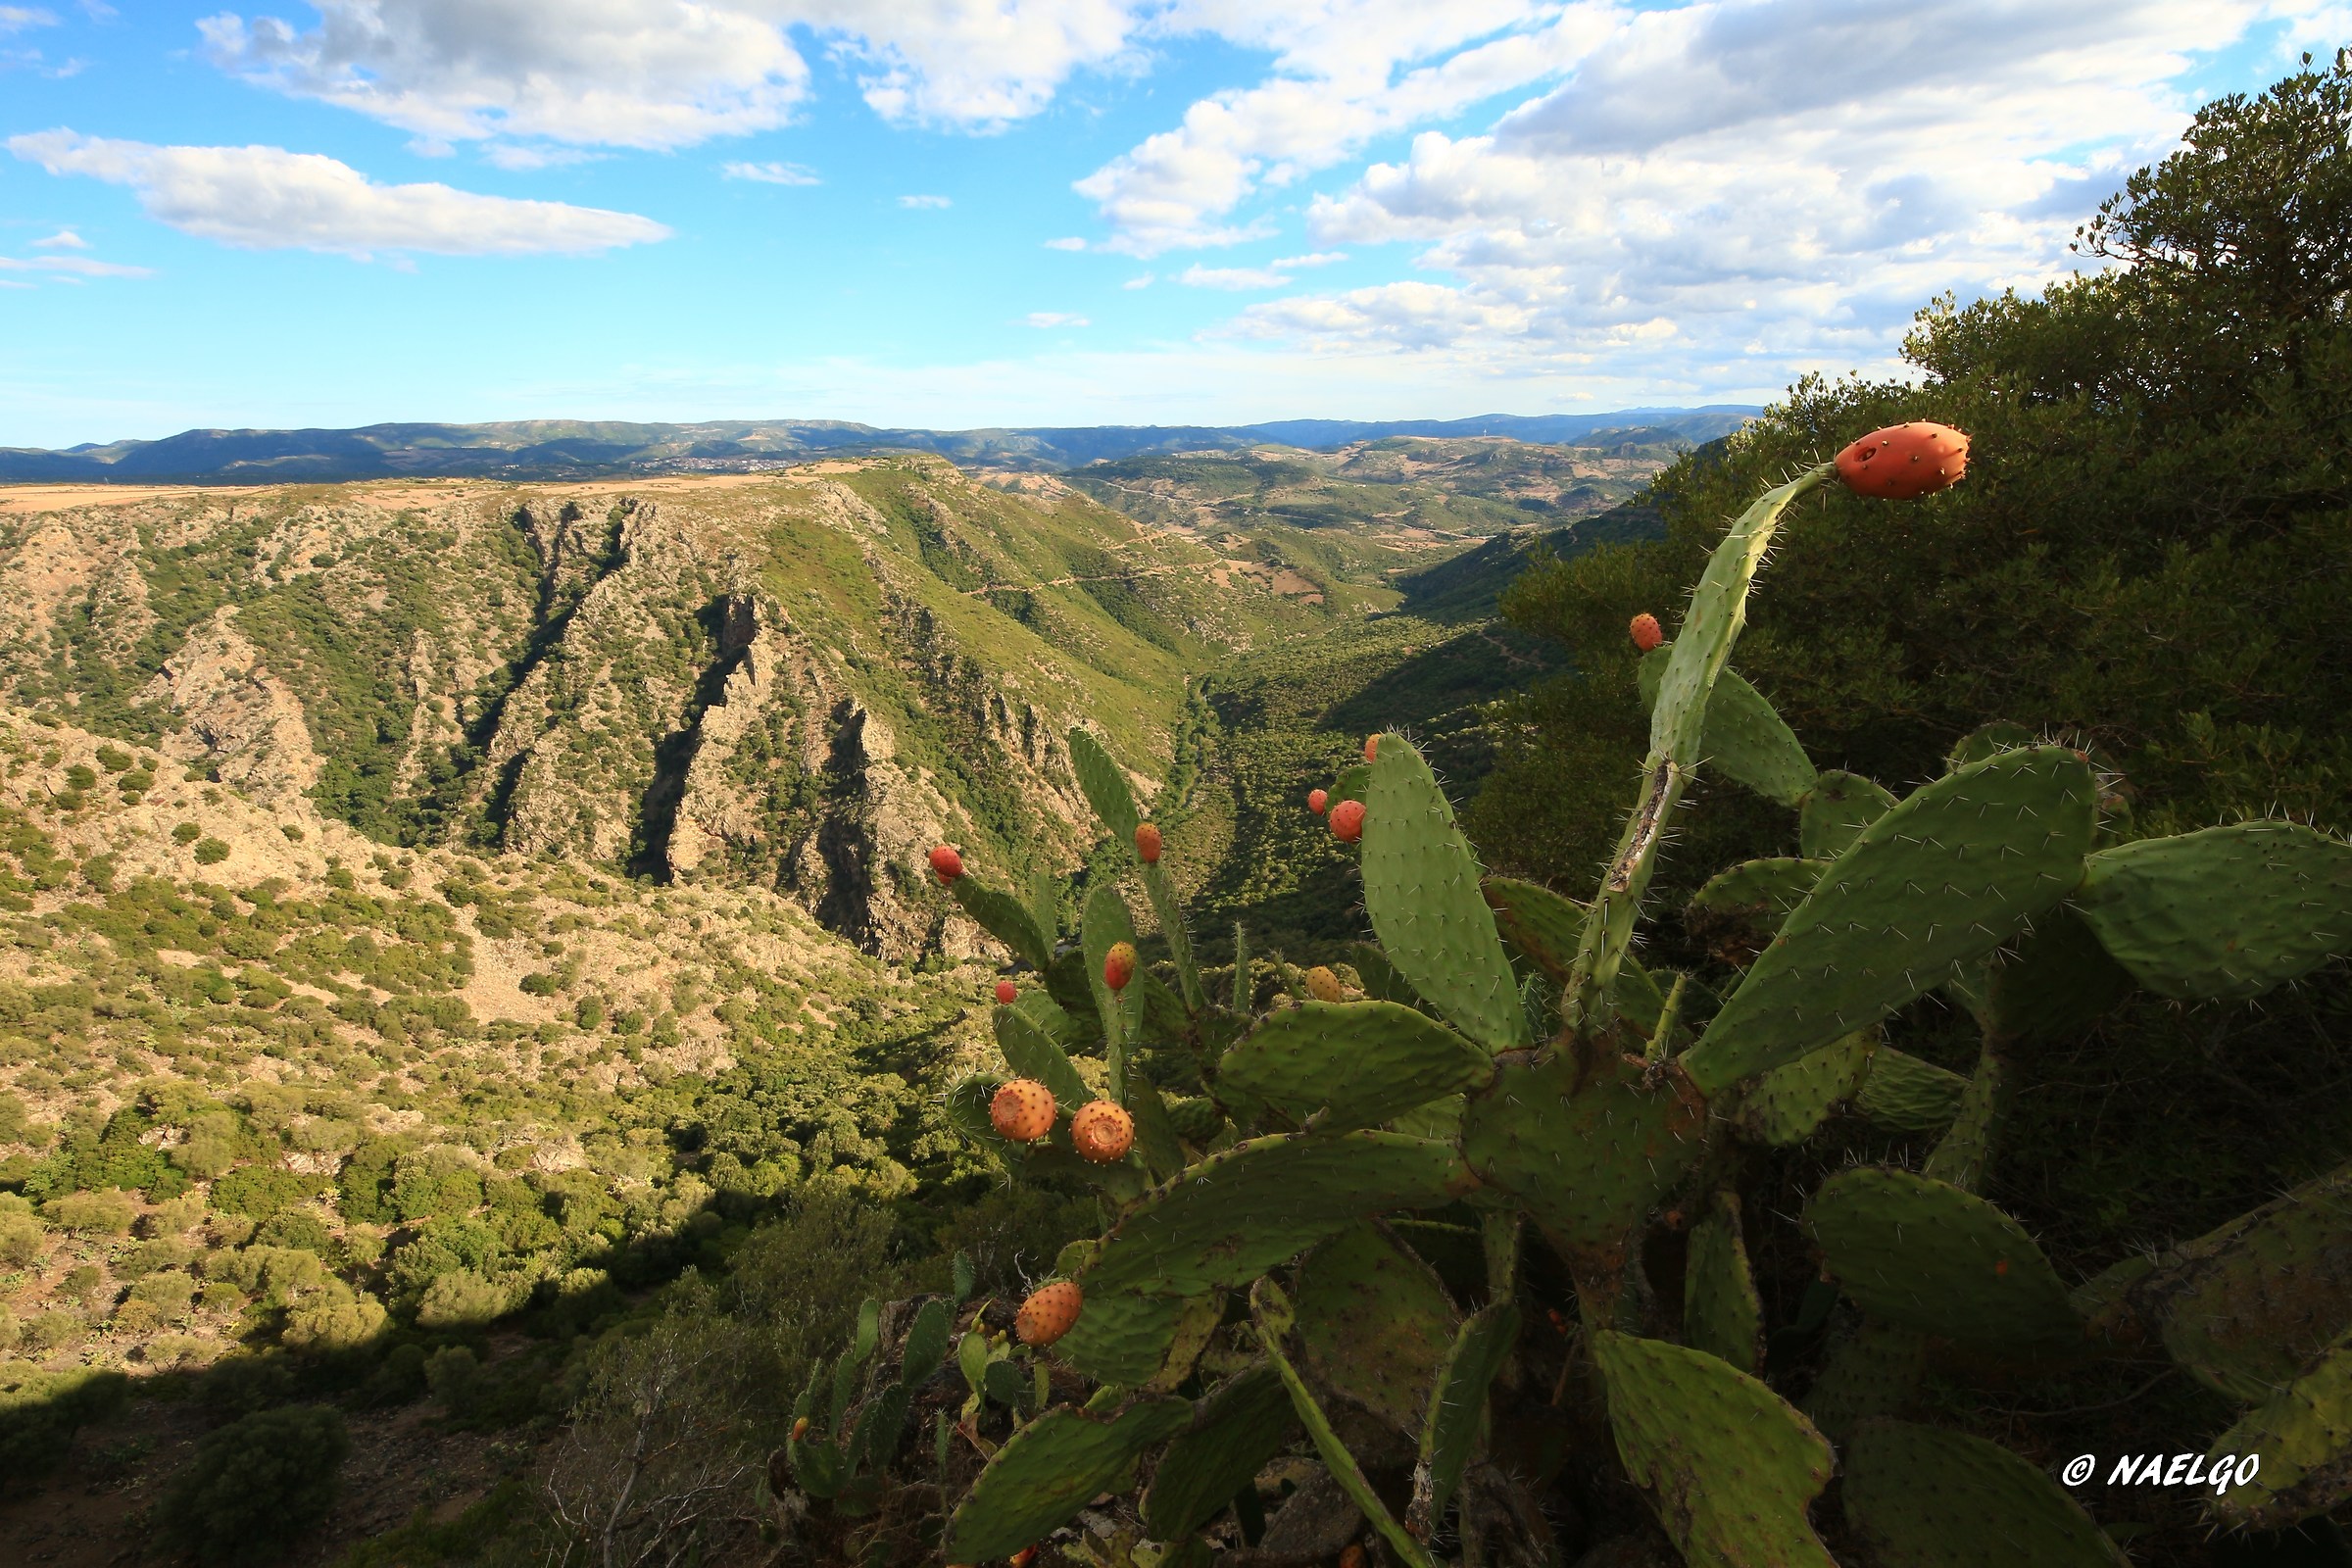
(1487,1218)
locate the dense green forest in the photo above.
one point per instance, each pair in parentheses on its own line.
(598,1257)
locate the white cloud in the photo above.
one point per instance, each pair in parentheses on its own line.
(72,267)
(1311,259)
(1231,278)
(1701,203)
(772,173)
(1066,244)
(62,239)
(925,203)
(1053,319)
(667,73)
(16,19)
(527,159)
(1141,281)
(266,198)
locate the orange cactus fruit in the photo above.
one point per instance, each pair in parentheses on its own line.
(1023,1557)
(1646,632)
(947,864)
(1022,1110)
(1348,821)
(1103,1132)
(1905,461)
(800,1428)
(1371,748)
(1147,843)
(1008,992)
(1318,800)
(1050,1311)
(1118,966)
(1322,984)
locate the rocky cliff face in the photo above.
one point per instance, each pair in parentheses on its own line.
(801,683)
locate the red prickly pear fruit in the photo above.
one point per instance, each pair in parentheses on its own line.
(1103,1132)
(1371,748)
(1646,632)
(1147,843)
(1022,1110)
(1905,461)
(1023,1557)
(1322,984)
(1118,966)
(947,864)
(1050,1311)
(1008,992)
(800,1428)
(1348,821)
(1318,800)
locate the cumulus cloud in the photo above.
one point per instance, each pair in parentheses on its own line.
(266,198)
(1311,259)
(1066,243)
(1702,198)
(772,173)
(1053,319)
(925,203)
(62,239)
(667,73)
(1231,278)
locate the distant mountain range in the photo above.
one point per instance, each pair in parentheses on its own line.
(571,448)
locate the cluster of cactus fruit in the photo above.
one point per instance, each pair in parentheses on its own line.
(1339,1223)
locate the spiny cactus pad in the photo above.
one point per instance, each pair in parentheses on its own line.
(1104,925)
(1588,1164)
(1234,1215)
(1788,1103)
(1872,1372)
(2304,1436)
(1967,1145)
(1963,865)
(1744,738)
(1836,811)
(1925,1255)
(1739,910)
(1373,1323)
(1902,1091)
(1006,918)
(1361,1063)
(1124,1337)
(1421,889)
(1729,1465)
(1106,785)
(2054,983)
(1457,1419)
(2225,913)
(1032,1053)
(2246,1308)
(1979,744)
(1541,924)
(1722,1314)
(1236,1432)
(1923,1498)
(1052,1468)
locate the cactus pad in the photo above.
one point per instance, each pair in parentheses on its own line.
(1911,1096)
(1923,1255)
(1921,1498)
(1586,1164)
(1541,924)
(1234,1215)
(1032,1053)
(2246,1308)
(1421,889)
(1105,924)
(1361,1063)
(1788,1103)
(1052,1468)
(1121,1337)
(1373,1323)
(1106,785)
(1735,914)
(2225,913)
(1872,1372)
(1979,744)
(1458,1409)
(1836,811)
(1236,1432)
(2054,985)
(1963,865)
(1744,738)
(1006,918)
(1729,1465)
(2303,1435)
(1722,1314)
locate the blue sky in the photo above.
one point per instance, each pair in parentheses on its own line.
(956,212)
